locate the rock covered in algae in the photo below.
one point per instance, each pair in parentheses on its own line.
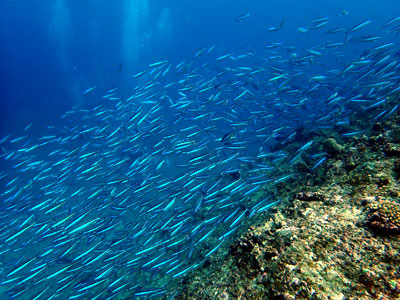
(332,147)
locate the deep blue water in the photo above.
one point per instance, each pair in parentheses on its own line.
(51,51)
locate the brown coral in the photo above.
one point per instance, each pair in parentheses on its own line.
(384,218)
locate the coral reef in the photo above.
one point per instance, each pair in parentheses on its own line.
(334,234)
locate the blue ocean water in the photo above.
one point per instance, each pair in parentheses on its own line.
(52,51)
(136,136)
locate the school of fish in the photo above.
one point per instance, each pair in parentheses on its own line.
(143,189)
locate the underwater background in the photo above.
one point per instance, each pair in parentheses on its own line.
(140,138)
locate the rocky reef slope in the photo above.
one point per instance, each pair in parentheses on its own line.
(334,234)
